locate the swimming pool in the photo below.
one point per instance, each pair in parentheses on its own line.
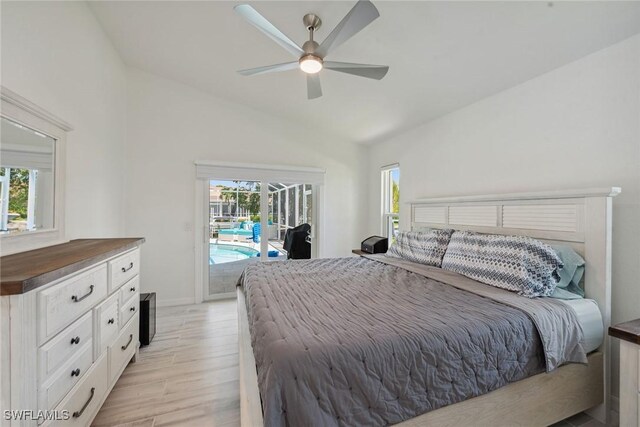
(219,254)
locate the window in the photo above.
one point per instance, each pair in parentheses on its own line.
(390,200)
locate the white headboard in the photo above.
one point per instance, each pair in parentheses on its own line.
(579,218)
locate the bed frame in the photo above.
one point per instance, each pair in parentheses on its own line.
(581,219)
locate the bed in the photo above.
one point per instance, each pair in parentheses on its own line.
(376,341)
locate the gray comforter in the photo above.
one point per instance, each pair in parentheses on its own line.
(355,341)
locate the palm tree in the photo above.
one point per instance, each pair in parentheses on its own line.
(396,197)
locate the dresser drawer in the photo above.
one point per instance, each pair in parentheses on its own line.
(108,323)
(61,304)
(129,290)
(123,269)
(128,310)
(82,402)
(64,346)
(123,348)
(54,389)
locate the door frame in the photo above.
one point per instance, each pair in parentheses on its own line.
(207,171)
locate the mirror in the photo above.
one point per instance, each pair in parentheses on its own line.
(27,175)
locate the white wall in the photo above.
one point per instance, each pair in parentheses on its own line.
(56,55)
(575,127)
(171,125)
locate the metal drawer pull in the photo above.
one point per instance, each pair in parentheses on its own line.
(75,298)
(110,321)
(124,270)
(132,308)
(78,414)
(75,340)
(75,372)
(133,289)
(124,347)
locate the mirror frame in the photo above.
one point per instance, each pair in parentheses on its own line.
(20,110)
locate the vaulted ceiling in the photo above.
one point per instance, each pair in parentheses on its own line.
(442,55)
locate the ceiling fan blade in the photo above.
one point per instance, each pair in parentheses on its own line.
(363,70)
(361,15)
(269,69)
(314,90)
(261,23)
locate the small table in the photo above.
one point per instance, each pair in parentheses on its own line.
(359,252)
(629,335)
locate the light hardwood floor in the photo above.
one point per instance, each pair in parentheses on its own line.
(188,376)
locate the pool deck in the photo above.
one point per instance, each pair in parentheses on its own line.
(223,277)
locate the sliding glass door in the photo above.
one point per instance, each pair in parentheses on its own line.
(233,208)
(290,206)
(254,221)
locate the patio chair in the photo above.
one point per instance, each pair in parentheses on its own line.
(256,232)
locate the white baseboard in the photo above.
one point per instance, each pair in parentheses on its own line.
(226,295)
(191,300)
(174,302)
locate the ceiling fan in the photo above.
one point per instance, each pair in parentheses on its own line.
(311,56)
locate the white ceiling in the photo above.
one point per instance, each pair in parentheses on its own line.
(442,55)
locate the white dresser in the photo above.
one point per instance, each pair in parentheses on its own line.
(68,326)
(629,334)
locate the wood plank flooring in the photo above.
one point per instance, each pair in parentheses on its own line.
(188,376)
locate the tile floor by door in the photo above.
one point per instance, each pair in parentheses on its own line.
(189,374)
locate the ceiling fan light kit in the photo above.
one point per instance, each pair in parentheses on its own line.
(311,64)
(311,56)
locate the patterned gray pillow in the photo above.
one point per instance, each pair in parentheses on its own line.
(424,247)
(515,263)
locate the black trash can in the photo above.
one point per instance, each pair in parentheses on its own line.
(147,317)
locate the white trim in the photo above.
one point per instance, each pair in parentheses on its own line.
(259,172)
(13,98)
(263,166)
(264,221)
(172,302)
(389,167)
(317,202)
(18,109)
(224,295)
(201,236)
(386,194)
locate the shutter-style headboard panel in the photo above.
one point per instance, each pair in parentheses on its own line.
(579,218)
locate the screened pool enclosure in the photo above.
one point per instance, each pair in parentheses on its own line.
(234,204)
(235,226)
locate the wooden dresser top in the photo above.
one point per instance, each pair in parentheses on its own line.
(628,331)
(26,271)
